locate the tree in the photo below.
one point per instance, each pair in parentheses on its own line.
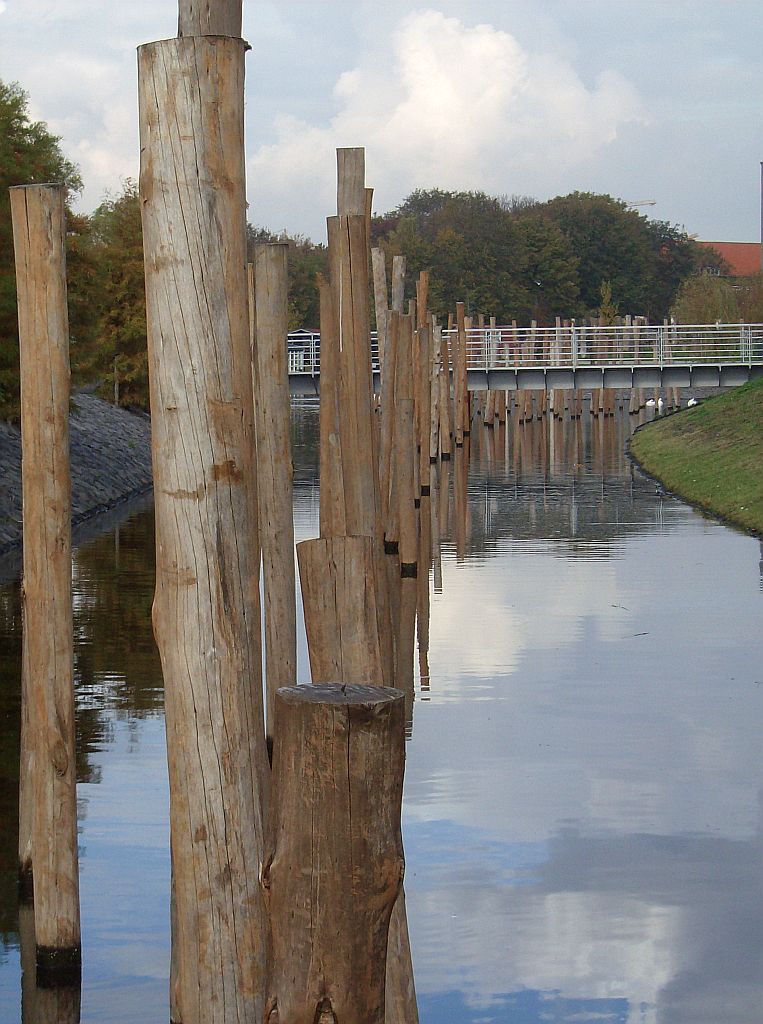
(120,348)
(705,299)
(611,243)
(29,153)
(469,242)
(306,260)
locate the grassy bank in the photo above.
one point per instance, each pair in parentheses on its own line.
(712,455)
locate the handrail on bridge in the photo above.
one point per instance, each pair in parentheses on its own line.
(575,345)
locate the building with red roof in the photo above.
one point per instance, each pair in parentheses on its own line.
(743,258)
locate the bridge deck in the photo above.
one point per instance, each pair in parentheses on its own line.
(571,356)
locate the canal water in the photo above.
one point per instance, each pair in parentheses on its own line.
(583,813)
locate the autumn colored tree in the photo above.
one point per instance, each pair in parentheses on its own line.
(118,356)
(306,260)
(29,153)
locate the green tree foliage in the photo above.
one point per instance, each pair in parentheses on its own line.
(707,298)
(28,154)
(517,258)
(118,353)
(608,307)
(306,260)
(472,246)
(751,299)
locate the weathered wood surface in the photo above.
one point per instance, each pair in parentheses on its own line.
(460,379)
(42,1003)
(210,18)
(387,468)
(269,292)
(346,614)
(381,307)
(39,232)
(425,347)
(398,283)
(351,182)
(334,863)
(348,257)
(446,404)
(405,449)
(434,394)
(331,496)
(206,605)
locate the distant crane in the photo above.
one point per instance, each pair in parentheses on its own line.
(642,202)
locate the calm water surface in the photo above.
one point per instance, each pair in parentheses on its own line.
(583,814)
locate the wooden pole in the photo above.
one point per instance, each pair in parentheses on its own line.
(206,606)
(381,306)
(434,394)
(398,283)
(405,454)
(351,182)
(389,469)
(445,401)
(460,373)
(346,619)
(39,233)
(425,404)
(269,312)
(334,862)
(210,18)
(331,497)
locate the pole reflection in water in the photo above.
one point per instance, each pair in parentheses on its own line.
(41,1004)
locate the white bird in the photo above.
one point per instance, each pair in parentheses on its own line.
(691,402)
(660,404)
(650,404)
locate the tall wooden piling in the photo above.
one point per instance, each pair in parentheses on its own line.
(343,583)
(446,427)
(39,232)
(459,378)
(206,606)
(269,317)
(210,18)
(334,862)
(398,283)
(405,453)
(332,517)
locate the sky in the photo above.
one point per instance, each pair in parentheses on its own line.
(647,100)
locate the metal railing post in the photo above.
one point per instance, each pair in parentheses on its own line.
(573,345)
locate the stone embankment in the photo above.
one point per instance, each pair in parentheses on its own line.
(110,463)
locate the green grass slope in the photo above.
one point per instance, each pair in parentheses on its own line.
(711,455)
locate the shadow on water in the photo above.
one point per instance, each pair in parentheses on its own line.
(582,813)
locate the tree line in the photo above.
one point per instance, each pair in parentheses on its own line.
(514,258)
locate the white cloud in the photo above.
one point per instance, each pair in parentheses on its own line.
(447,104)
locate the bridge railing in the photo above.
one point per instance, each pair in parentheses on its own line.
(642,345)
(576,345)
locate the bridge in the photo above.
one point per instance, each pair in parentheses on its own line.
(574,356)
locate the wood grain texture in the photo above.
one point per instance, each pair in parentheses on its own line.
(206,605)
(346,615)
(39,231)
(334,862)
(398,283)
(405,448)
(351,182)
(331,495)
(381,307)
(210,18)
(360,476)
(269,288)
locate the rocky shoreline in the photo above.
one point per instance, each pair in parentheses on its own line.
(110,464)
